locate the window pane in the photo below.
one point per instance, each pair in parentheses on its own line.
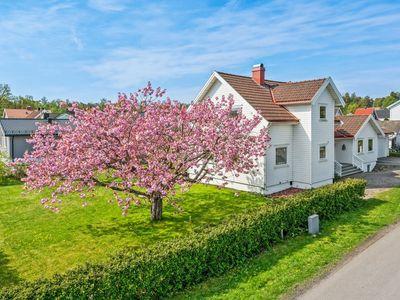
(370,144)
(360,146)
(234,113)
(322,112)
(281,156)
(322,153)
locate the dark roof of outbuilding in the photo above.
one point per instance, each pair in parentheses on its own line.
(383,113)
(22,127)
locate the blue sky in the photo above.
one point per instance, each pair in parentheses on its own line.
(87,50)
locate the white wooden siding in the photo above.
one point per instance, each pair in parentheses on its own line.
(395,112)
(244,182)
(278,178)
(323,135)
(301,141)
(369,157)
(344,156)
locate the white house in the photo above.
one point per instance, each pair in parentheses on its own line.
(394,111)
(359,142)
(300,118)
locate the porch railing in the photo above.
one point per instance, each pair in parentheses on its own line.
(358,162)
(338,168)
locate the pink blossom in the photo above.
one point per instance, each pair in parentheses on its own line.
(111,146)
(110,201)
(124,213)
(23,194)
(84,204)
(237,194)
(13,170)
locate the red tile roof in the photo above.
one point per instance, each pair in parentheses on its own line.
(259,97)
(364,111)
(302,91)
(349,125)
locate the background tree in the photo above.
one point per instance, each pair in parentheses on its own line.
(5,97)
(144,148)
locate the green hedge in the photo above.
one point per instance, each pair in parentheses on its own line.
(161,270)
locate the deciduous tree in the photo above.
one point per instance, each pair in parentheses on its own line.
(143,148)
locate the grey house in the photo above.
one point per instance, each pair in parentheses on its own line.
(15,132)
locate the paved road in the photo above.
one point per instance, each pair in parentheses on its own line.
(372,275)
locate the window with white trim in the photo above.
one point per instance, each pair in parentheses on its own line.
(280,156)
(370,145)
(360,146)
(322,112)
(322,152)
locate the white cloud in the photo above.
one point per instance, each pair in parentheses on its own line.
(239,35)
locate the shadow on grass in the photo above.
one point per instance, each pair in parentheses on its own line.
(267,260)
(8,275)
(200,209)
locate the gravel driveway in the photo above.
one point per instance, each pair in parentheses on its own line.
(379,181)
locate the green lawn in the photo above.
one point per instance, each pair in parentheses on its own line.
(35,241)
(298,260)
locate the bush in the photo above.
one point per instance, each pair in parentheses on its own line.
(6,176)
(161,270)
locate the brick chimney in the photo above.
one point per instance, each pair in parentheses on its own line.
(259,74)
(28,108)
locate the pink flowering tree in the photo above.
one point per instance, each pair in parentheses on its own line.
(144,149)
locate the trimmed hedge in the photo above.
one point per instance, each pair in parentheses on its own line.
(161,270)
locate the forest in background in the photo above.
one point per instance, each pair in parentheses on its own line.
(8,100)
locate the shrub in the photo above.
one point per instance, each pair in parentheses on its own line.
(161,270)
(7,177)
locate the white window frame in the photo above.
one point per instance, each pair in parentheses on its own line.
(276,147)
(362,146)
(373,144)
(319,112)
(319,152)
(235,109)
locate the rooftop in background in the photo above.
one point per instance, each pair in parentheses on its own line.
(390,126)
(26,113)
(23,127)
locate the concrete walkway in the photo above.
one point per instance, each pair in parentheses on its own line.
(374,272)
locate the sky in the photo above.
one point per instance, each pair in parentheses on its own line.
(87,50)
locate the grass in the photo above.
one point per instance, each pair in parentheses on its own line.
(37,242)
(298,260)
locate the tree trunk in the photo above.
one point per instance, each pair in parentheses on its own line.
(156,208)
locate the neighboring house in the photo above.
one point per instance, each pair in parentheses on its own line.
(392,128)
(15,132)
(27,113)
(394,111)
(300,118)
(359,141)
(366,111)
